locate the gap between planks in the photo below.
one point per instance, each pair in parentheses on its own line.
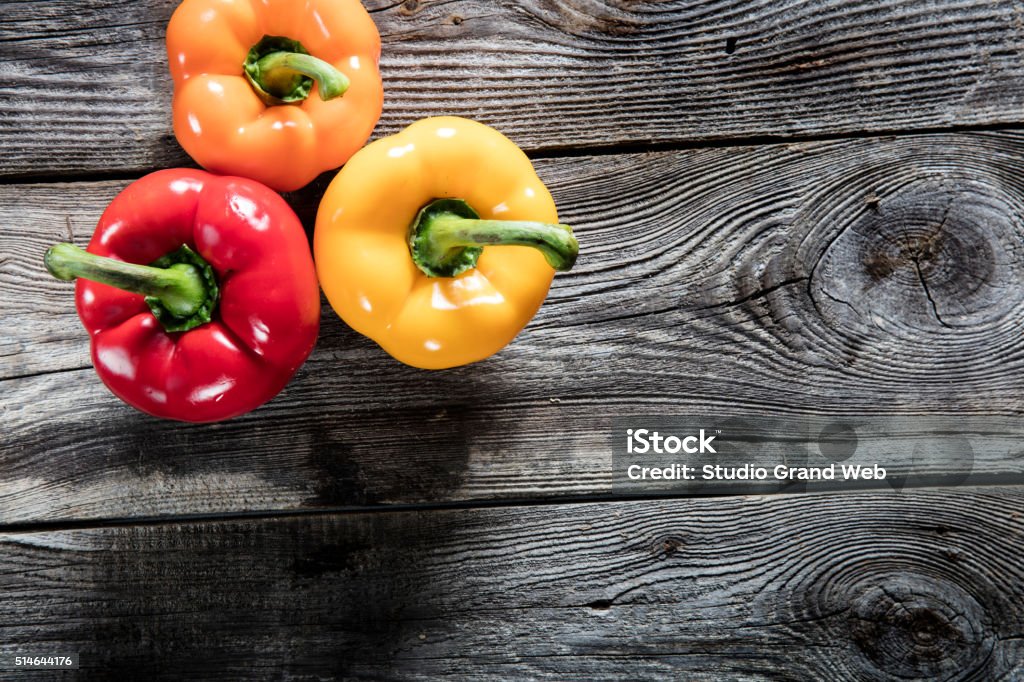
(26,527)
(595,150)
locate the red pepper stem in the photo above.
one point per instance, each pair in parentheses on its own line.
(448,237)
(182,289)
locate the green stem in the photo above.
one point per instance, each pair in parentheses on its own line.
(556,242)
(180,288)
(447,238)
(281,71)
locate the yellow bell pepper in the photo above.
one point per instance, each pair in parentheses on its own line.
(440,242)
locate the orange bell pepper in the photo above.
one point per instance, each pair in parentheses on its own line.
(440,242)
(244,71)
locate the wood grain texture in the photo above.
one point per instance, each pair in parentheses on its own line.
(873,276)
(86,89)
(916,586)
(869,276)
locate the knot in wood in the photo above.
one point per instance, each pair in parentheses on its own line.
(668,546)
(920,628)
(932,258)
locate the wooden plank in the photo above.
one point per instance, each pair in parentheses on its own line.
(922,585)
(864,277)
(86,89)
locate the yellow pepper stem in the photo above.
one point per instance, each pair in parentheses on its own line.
(281,71)
(448,236)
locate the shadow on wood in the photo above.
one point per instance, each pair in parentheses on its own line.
(925,585)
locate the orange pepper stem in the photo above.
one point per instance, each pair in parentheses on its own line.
(180,288)
(281,71)
(448,236)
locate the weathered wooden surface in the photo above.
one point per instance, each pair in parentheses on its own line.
(875,276)
(86,88)
(862,276)
(915,586)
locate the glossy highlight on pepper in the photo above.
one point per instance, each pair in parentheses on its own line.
(440,242)
(205,300)
(274,90)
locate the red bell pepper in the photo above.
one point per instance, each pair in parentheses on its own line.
(199,292)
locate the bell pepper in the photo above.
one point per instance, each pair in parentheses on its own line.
(244,71)
(440,242)
(199,293)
